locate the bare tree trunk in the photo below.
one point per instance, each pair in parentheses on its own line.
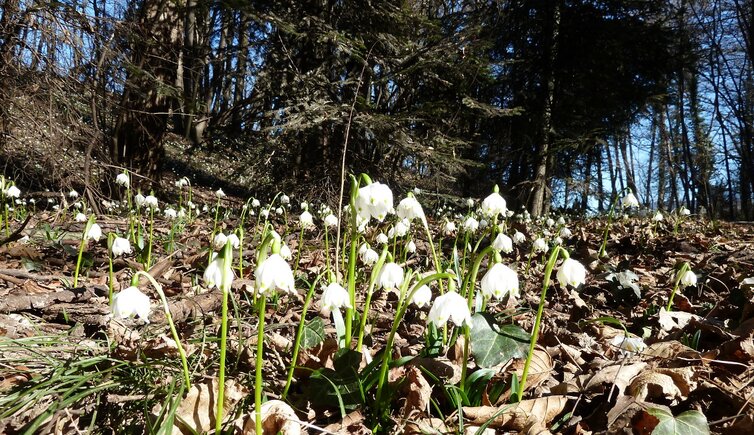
(540,174)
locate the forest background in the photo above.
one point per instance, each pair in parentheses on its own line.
(562,103)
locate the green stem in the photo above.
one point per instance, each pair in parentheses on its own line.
(298,253)
(467,288)
(110,239)
(351,283)
(81,250)
(258,368)
(464,366)
(535,333)
(403,304)
(173,331)
(683,270)
(225,288)
(151,234)
(372,280)
(300,334)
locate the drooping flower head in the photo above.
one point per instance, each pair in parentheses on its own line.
(390,277)
(629,201)
(688,279)
(123,180)
(500,280)
(503,243)
(131,302)
(335,297)
(272,274)
(494,205)
(120,246)
(410,209)
(306,220)
(374,200)
(450,306)
(422,296)
(94,233)
(571,273)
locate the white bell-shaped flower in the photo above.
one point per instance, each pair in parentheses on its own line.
(274,273)
(410,209)
(13,192)
(571,273)
(219,241)
(684,211)
(331,220)
(449,228)
(285,252)
(150,201)
(629,201)
(381,239)
(140,199)
(120,246)
(450,306)
(422,296)
(255,203)
(391,276)
(131,302)
(411,246)
(519,237)
(628,345)
(94,233)
(550,222)
(400,229)
(470,224)
(220,194)
(374,201)
(235,242)
(540,245)
(500,280)
(80,217)
(218,273)
(369,256)
(688,279)
(123,180)
(469,202)
(335,297)
(503,243)
(494,205)
(658,217)
(73,194)
(306,220)
(170,213)
(565,233)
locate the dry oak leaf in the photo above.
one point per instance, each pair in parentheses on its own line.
(277,418)
(517,416)
(654,385)
(618,374)
(196,413)
(417,392)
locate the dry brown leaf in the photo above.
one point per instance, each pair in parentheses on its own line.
(517,416)
(197,410)
(654,385)
(620,375)
(352,423)
(426,426)
(670,350)
(671,320)
(277,418)
(417,392)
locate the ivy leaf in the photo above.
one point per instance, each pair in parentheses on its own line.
(313,333)
(688,423)
(492,343)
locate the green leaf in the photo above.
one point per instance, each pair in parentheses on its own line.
(493,344)
(688,423)
(313,333)
(341,386)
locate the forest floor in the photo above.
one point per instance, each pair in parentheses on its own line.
(67,365)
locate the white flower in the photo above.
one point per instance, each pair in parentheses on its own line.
(561,220)
(264,213)
(219,241)
(77,204)
(449,228)
(285,199)
(220,194)
(629,201)
(381,239)
(274,273)
(503,243)
(549,222)
(391,276)
(304,206)
(122,180)
(411,246)
(150,201)
(540,245)
(399,230)
(235,242)
(218,269)
(80,217)
(94,233)
(183,182)
(285,252)
(139,199)
(73,194)
(255,202)
(628,344)
(422,296)
(374,201)
(571,273)
(471,224)
(121,246)
(131,302)
(13,192)
(557,241)
(450,306)
(519,237)
(170,213)
(688,279)
(483,223)
(409,208)
(565,233)
(306,220)
(658,217)
(279,211)
(369,256)
(499,281)
(331,220)
(335,297)
(469,202)
(494,205)
(684,211)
